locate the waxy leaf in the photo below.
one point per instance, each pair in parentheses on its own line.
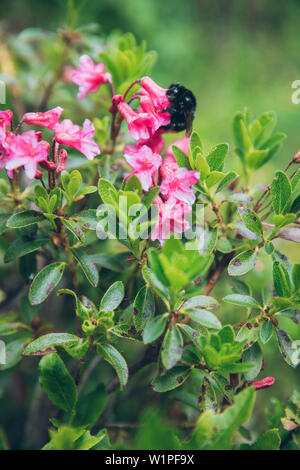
(154,328)
(46,344)
(172,347)
(57,382)
(180,157)
(266,331)
(112,297)
(24,219)
(281,279)
(216,157)
(74,229)
(88,267)
(115,359)
(253,356)
(200,301)
(204,317)
(243,300)
(171,379)
(289,349)
(143,308)
(251,220)
(45,281)
(280,192)
(242,263)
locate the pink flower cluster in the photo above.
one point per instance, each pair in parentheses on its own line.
(25,150)
(146,126)
(28,150)
(89,76)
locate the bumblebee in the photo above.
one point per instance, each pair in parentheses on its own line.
(182,109)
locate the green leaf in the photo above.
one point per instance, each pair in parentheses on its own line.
(200,301)
(216,157)
(195,141)
(257,158)
(45,281)
(143,308)
(280,192)
(239,368)
(87,219)
(70,438)
(266,331)
(56,381)
(88,267)
(269,248)
(22,246)
(114,358)
(215,431)
(171,379)
(243,300)
(270,440)
(253,356)
(289,349)
(133,184)
(251,220)
(13,350)
(150,196)
(172,347)
(226,334)
(240,134)
(242,263)
(204,317)
(229,178)
(296,276)
(107,192)
(24,219)
(153,281)
(74,229)
(46,344)
(154,328)
(281,280)
(180,157)
(112,297)
(90,406)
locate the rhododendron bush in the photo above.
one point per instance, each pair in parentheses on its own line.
(116,233)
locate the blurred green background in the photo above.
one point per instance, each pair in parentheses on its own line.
(231,53)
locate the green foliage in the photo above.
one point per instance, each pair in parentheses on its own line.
(159,313)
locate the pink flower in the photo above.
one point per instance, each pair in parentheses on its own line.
(5,121)
(141,126)
(156,142)
(67,133)
(170,220)
(144,163)
(263,383)
(147,106)
(48,119)
(25,150)
(177,186)
(89,76)
(156,93)
(6,118)
(169,164)
(62,160)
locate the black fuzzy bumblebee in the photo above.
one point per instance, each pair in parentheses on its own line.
(182,108)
